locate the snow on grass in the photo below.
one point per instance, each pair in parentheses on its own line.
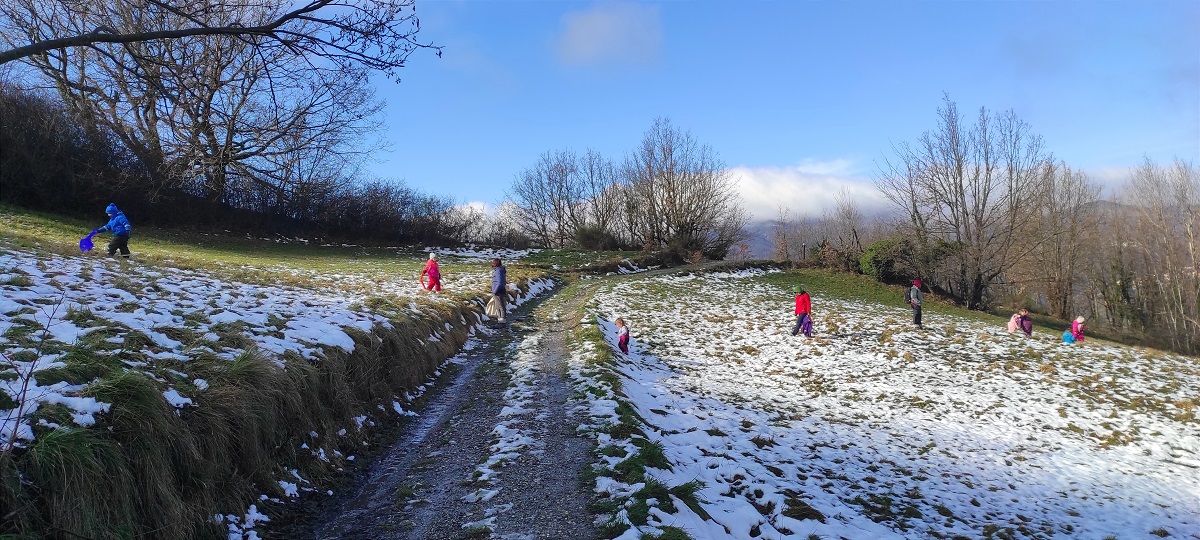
(242,527)
(629,267)
(161,313)
(66,298)
(472,251)
(874,430)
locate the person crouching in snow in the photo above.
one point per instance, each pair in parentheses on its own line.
(1014,322)
(622,335)
(118,224)
(1077,329)
(803,312)
(435,275)
(1026,323)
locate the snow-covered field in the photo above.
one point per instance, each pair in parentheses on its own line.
(67,298)
(872,429)
(462,269)
(151,317)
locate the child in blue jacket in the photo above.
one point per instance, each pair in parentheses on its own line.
(118,225)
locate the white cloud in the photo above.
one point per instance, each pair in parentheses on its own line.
(478,206)
(610,32)
(807,189)
(1111,180)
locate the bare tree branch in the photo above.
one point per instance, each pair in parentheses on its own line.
(377,34)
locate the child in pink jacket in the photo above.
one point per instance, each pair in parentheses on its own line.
(1077,329)
(434,273)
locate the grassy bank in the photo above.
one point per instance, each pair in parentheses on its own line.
(163,399)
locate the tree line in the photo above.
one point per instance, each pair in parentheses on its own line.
(670,193)
(253,114)
(987,217)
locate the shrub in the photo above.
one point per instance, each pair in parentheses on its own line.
(884,259)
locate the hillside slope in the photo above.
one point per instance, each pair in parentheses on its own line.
(141,398)
(874,429)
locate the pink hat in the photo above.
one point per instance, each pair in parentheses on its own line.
(917,282)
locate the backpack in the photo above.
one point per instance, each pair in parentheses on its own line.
(908,295)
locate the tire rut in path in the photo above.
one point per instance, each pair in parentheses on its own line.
(417,491)
(541,491)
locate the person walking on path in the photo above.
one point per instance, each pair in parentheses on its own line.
(803,312)
(914,298)
(1026,323)
(434,273)
(622,335)
(500,287)
(118,224)
(1077,329)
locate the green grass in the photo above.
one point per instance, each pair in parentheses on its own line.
(847,286)
(574,258)
(237,257)
(243,255)
(86,480)
(147,469)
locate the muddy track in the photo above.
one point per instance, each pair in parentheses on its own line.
(420,488)
(426,485)
(542,491)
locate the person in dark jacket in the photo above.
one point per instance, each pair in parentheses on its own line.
(1025,322)
(118,225)
(500,287)
(915,298)
(803,312)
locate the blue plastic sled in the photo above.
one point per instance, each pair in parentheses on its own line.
(85,243)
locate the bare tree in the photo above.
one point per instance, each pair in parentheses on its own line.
(969,187)
(1066,216)
(903,183)
(845,223)
(549,197)
(682,196)
(502,228)
(220,117)
(781,249)
(1165,212)
(602,200)
(376,34)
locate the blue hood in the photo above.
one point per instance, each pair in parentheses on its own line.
(111,209)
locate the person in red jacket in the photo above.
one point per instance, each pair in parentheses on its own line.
(435,275)
(803,312)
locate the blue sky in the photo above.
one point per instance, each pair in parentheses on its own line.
(800,99)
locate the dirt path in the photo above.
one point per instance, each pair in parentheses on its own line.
(443,478)
(495,452)
(541,494)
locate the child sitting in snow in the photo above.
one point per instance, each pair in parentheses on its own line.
(622,335)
